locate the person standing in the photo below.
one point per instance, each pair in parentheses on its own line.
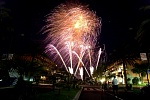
(115,85)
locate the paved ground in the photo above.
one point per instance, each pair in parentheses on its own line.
(96,93)
(88,92)
(8,93)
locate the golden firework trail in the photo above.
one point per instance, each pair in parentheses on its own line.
(72,27)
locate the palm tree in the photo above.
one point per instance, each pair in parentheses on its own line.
(144,29)
(99,72)
(125,55)
(141,68)
(6,30)
(29,67)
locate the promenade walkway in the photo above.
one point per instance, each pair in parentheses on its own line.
(87,92)
(97,93)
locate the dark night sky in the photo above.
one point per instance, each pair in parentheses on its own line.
(119,19)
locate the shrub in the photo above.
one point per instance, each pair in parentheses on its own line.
(135,80)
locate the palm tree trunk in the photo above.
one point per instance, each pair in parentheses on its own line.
(148,68)
(147,77)
(30,73)
(125,74)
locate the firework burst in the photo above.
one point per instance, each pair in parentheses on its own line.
(72,27)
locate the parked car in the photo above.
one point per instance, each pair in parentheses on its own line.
(145,89)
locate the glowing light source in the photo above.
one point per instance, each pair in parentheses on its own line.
(43,77)
(91,69)
(71,70)
(81,72)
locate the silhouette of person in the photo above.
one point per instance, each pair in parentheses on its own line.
(115,85)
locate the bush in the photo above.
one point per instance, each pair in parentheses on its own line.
(135,80)
(128,80)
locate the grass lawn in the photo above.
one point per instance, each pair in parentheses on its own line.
(64,94)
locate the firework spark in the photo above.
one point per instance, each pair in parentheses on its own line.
(69,27)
